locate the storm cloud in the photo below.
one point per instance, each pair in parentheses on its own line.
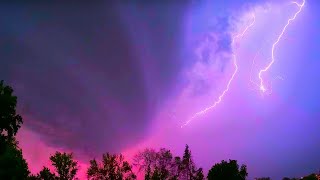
(86,76)
(97,77)
(91,77)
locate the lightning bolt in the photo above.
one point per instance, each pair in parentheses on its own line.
(230,80)
(262,86)
(253,62)
(256,84)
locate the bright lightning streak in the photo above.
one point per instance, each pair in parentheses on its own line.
(262,85)
(230,80)
(257,85)
(253,62)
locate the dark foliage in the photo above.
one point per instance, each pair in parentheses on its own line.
(65,166)
(12,163)
(227,170)
(113,167)
(161,165)
(46,174)
(10,121)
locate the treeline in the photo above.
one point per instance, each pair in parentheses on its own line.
(152,164)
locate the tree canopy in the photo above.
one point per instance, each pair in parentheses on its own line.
(161,165)
(46,174)
(10,121)
(113,166)
(263,178)
(64,164)
(12,163)
(227,170)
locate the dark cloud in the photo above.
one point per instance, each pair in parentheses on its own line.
(91,75)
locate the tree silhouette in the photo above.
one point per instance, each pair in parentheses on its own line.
(33,177)
(187,163)
(176,168)
(286,178)
(199,175)
(156,175)
(188,168)
(146,161)
(161,165)
(157,165)
(10,121)
(65,166)
(227,170)
(112,167)
(46,174)
(12,163)
(310,177)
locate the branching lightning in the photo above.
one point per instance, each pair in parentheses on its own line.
(239,36)
(253,62)
(262,86)
(256,84)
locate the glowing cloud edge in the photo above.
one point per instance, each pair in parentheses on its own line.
(261,86)
(230,80)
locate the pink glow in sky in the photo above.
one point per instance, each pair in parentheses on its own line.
(244,126)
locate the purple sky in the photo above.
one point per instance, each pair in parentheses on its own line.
(115,77)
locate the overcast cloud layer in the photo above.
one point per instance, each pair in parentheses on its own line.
(110,77)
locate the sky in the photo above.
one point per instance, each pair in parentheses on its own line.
(118,77)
